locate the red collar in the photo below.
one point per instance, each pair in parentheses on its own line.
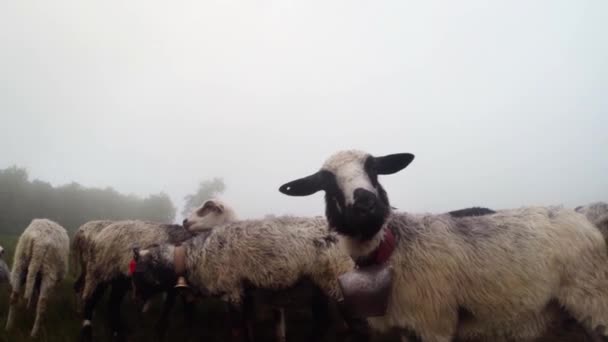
(382,253)
(132,266)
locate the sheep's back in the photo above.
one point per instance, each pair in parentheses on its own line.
(45,236)
(268,253)
(112,247)
(84,235)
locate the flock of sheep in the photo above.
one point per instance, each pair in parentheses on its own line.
(470,275)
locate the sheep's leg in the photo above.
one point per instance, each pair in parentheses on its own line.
(322,319)
(36,263)
(89,306)
(79,287)
(14,299)
(79,283)
(119,289)
(189,307)
(280,325)
(249,315)
(163,320)
(237,326)
(45,286)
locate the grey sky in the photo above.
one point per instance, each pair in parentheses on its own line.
(504,103)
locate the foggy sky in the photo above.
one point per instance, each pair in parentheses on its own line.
(504,103)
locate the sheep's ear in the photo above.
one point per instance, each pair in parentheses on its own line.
(303,186)
(136,254)
(1,251)
(392,163)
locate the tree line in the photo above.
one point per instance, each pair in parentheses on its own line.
(70,205)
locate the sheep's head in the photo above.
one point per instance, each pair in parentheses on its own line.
(210,214)
(152,271)
(356,204)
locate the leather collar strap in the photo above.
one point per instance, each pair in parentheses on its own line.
(382,253)
(179,260)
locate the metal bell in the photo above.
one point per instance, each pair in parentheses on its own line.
(182,283)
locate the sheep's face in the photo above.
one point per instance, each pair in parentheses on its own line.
(356,204)
(153,272)
(212,213)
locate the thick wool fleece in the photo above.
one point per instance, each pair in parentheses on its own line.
(268,253)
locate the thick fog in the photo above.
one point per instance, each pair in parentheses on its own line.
(504,103)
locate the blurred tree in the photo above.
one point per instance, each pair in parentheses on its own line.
(72,204)
(158,208)
(206,190)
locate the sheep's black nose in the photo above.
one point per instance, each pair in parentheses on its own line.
(184,222)
(365,201)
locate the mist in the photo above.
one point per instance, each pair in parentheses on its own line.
(504,103)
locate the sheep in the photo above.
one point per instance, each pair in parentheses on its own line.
(40,263)
(484,273)
(273,253)
(110,253)
(597,213)
(473,211)
(4,271)
(81,244)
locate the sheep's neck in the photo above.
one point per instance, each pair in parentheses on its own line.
(179,260)
(380,254)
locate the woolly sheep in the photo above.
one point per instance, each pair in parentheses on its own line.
(493,272)
(597,213)
(111,252)
(273,253)
(81,245)
(4,271)
(39,264)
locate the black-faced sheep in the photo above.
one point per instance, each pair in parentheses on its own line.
(39,264)
(489,273)
(274,254)
(111,251)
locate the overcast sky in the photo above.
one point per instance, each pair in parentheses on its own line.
(504,103)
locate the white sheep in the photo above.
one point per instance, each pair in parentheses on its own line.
(597,213)
(81,245)
(271,254)
(488,273)
(39,264)
(111,252)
